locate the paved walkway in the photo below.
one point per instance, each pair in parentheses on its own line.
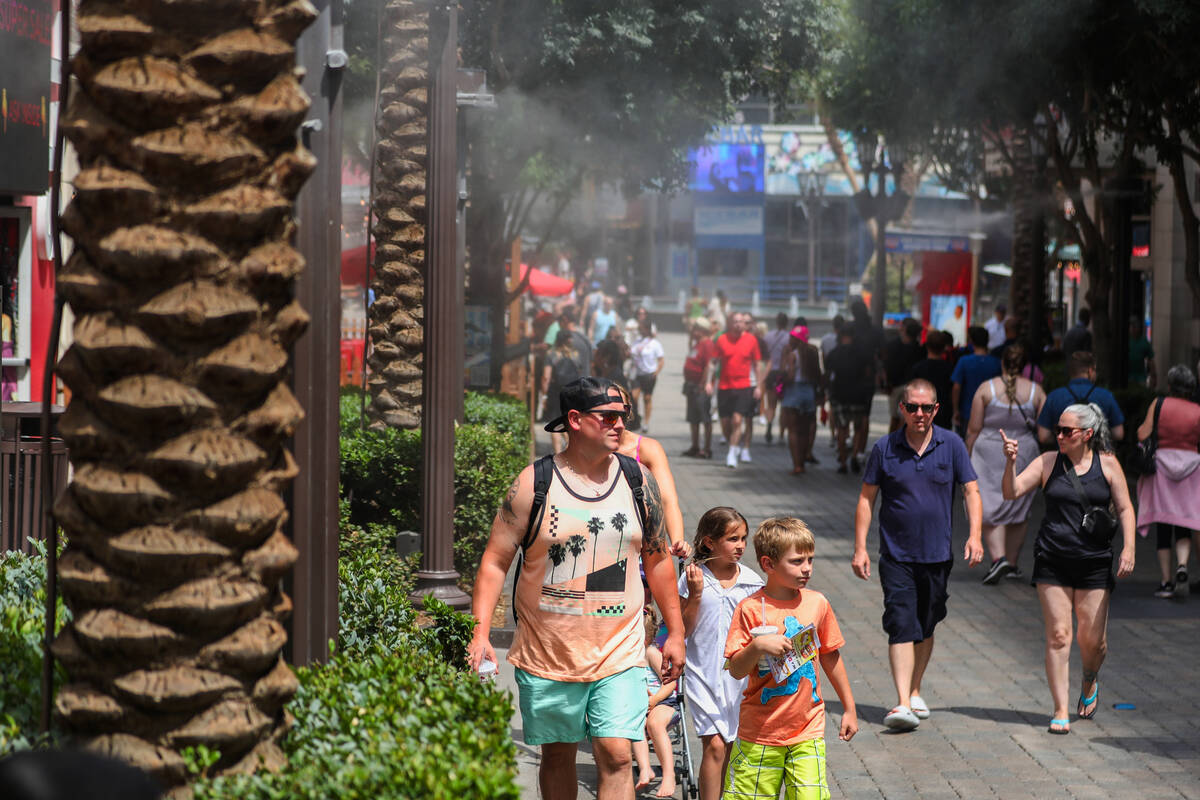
(986,685)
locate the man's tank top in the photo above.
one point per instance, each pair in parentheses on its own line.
(1061,534)
(579,598)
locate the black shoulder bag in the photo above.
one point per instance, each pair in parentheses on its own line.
(1143,458)
(1099,522)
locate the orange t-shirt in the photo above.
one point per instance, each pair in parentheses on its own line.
(783,713)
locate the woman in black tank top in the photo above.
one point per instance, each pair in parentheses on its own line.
(1073,566)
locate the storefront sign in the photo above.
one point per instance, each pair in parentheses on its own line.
(729,221)
(25,33)
(924,243)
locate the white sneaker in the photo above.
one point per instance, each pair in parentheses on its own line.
(760,419)
(732,458)
(745,455)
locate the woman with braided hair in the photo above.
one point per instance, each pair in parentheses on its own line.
(1010,402)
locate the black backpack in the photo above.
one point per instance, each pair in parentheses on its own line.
(543,472)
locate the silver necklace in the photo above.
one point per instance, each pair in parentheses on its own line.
(588,483)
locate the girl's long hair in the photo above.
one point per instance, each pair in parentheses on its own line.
(713,525)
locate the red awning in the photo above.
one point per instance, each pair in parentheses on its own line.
(354,265)
(546,285)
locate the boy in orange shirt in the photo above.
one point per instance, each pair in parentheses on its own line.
(781,729)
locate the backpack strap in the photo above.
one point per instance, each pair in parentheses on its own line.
(543,470)
(633,476)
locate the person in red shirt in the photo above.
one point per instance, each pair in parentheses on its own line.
(738,353)
(696,389)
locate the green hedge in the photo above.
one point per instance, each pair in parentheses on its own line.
(381,477)
(376,725)
(22,623)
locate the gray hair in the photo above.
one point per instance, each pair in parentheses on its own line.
(1091,417)
(1181,381)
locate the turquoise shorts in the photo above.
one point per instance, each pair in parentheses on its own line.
(561,711)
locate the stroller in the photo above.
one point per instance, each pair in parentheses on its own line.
(685,774)
(678,729)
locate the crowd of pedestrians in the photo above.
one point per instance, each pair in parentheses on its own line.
(591,660)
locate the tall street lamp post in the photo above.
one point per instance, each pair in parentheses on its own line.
(876,157)
(813,188)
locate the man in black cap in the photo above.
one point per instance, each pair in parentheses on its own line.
(579,649)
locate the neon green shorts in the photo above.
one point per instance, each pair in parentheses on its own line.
(562,711)
(760,770)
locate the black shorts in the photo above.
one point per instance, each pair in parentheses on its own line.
(645,383)
(735,401)
(1073,573)
(699,404)
(914,598)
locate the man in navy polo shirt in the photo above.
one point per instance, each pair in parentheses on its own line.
(1081,388)
(913,470)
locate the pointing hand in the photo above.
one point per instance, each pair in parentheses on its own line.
(1010,446)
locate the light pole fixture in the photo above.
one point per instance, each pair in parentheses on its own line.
(880,159)
(443,316)
(812,187)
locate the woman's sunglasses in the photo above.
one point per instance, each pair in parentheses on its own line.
(912,408)
(1065,430)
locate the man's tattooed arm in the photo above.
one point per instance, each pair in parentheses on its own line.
(506,508)
(654,537)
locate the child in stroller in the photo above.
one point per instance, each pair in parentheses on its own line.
(664,711)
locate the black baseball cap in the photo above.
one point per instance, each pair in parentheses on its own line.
(583,394)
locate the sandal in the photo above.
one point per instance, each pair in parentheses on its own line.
(704,454)
(691,452)
(1062,729)
(1093,701)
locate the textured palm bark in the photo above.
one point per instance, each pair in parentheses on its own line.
(184,119)
(397,317)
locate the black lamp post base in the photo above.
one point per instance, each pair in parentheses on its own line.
(442,584)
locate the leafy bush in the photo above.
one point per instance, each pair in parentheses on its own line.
(395,714)
(383,725)
(381,478)
(373,606)
(22,625)
(508,415)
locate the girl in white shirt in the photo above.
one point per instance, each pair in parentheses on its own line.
(709,592)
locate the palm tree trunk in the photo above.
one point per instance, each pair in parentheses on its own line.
(181,282)
(397,317)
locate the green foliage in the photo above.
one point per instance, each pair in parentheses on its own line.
(508,415)
(373,606)
(381,724)
(381,478)
(22,626)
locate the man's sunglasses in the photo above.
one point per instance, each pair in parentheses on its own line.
(1065,430)
(609,418)
(912,408)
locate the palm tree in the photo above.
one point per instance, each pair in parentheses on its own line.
(558,554)
(182,283)
(397,317)
(618,521)
(576,545)
(594,526)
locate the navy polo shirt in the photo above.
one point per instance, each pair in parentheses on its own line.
(1075,392)
(916,492)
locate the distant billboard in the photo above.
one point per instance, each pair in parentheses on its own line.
(25,34)
(726,168)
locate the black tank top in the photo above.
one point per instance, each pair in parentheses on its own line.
(1061,534)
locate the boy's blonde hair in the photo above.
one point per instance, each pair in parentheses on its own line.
(775,535)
